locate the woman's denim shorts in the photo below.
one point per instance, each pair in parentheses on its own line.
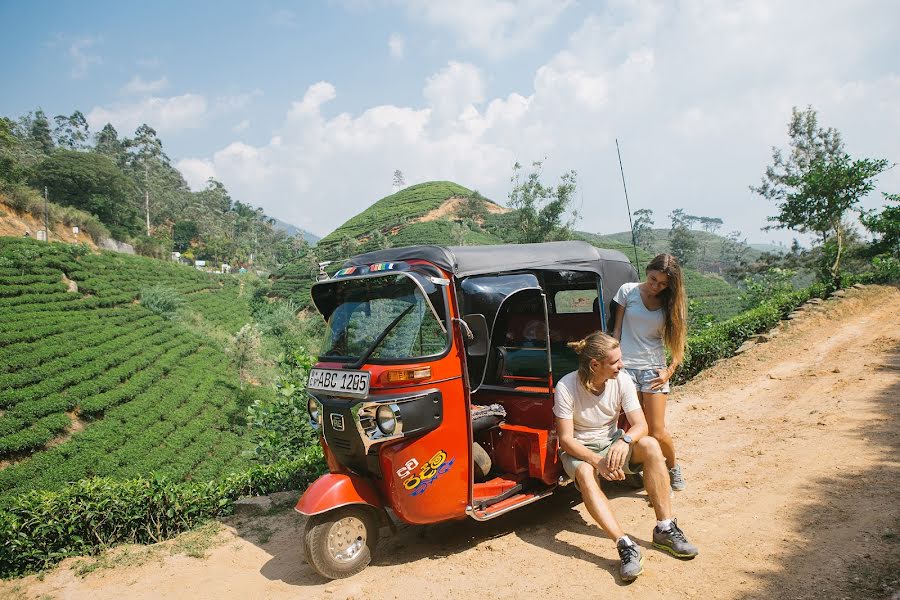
(642,378)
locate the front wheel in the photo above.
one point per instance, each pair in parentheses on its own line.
(341,542)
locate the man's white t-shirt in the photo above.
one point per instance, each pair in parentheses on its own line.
(642,331)
(594,416)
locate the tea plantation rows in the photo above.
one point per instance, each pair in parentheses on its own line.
(93,383)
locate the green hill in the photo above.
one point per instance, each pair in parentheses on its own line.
(709,255)
(94,383)
(397,220)
(393,215)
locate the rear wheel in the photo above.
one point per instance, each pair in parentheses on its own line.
(341,542)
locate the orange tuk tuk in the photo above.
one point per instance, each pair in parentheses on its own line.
(433,394)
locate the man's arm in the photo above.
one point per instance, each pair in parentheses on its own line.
(637,424)
(565,429)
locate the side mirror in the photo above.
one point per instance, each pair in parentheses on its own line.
(477,335)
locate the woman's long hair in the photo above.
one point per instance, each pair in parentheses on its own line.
(674,301)
(595,346)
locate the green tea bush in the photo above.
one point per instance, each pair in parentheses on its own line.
(721,340)
(41,528)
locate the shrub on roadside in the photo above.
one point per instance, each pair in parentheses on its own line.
(160,299)
(721,340)
(40,528)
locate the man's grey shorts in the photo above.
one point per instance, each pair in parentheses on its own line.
(571,464)
(642,379)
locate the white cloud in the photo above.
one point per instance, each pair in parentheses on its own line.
(236,102)
(497,27)
(242,126)
(137,85)
(397,45)
(163,114)
(317,95)
(79,53)
(453,89)
(196,172)
(696,94)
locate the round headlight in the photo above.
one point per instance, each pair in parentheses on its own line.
(385,420)
(312,406)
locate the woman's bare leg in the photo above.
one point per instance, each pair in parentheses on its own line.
(655,412)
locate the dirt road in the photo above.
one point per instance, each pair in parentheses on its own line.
(791,451)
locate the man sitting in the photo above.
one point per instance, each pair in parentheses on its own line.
(587,405)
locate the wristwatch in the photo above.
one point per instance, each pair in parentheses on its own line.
(627,439)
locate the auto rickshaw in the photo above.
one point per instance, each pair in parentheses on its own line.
(433,394)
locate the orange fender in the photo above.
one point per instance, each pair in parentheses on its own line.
(334,490)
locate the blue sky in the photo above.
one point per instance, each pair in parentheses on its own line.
(307,108)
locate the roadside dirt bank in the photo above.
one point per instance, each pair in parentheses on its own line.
(791,452)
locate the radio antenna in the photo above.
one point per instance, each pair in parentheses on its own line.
(628,206)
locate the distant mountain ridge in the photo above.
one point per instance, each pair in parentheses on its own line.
(294,230)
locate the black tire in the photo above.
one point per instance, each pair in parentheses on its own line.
(482,462)
(341,542)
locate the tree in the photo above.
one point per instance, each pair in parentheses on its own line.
(92,183)
(107,143)
(9,151)
(540,209)
(710,224)
(145,149)
(243,350)
(399,181)
(817,185)
(886,226)
(682,242)
(183,232)
(71,132)
(733,250)
(643,228)
(39,132)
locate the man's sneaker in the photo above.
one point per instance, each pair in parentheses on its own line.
(632,560)
(676,479)
(674,542)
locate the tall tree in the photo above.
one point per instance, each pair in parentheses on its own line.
(817,185)
(886,226)
(643,228)
(40,132)
(107,142)
(71,132)
(683,243)
(541,210)
(146,153)
(399,180)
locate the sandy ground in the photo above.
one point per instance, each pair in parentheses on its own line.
(791,451)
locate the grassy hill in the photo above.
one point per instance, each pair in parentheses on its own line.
(708,256)
(410,217)
(94,383)
(395,212)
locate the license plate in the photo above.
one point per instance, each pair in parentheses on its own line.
(339,382)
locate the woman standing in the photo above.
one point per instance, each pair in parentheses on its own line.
(653,317)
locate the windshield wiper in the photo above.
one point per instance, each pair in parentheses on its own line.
(365,355)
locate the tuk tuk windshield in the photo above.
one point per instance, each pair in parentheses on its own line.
(392,307)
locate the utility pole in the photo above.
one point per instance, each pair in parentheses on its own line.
(46,216)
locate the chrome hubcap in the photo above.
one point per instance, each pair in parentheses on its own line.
(346,539)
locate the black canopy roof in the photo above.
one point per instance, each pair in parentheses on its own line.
(464,261)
